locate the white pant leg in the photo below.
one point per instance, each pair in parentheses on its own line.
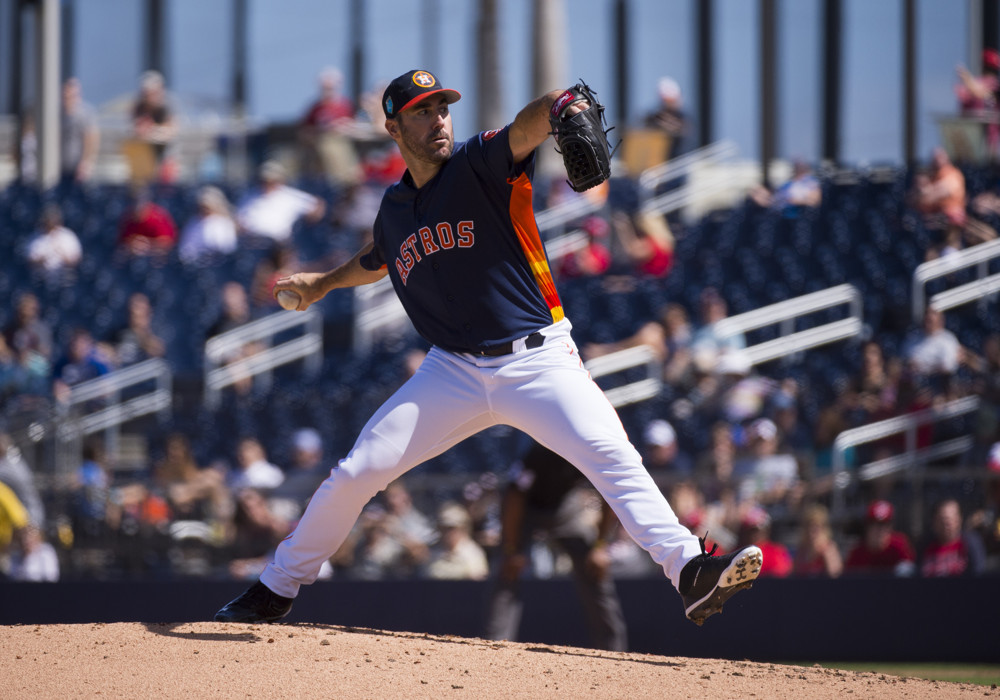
(551,397)
(442,404)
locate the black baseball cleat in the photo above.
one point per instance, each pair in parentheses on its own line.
(257,604)
(708,581)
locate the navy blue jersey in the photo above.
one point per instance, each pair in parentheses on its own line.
(463,251)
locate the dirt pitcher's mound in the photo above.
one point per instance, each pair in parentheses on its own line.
(205,660)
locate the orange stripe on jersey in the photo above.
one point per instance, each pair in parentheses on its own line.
(523,219)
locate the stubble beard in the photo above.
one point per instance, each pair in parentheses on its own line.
(426,150)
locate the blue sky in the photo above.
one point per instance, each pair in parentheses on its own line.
(291,40)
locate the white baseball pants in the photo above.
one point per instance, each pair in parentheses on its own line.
(545,392)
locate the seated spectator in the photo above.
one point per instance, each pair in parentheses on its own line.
(985,521)
(253,470)
(192,492)
(372,553)
(325,133)
(707,343)
(663,458)
(137,341)
(668,336)
(456,555)
(939,195)
(765,475)
(872,392)
(146,228)
(591,260)
(54,249)
(802,191)
(934,349)
(977,95)
(211,233)
(33,558)
(669,117)
(882,550)
(305,473)
(714,468)
(28,331)
(408,527)
(91,496)
(13,517)
(235,309)
(951,550)
(270,211)
(817,553)
(16,473)
(755,528)
(80,137)
(153,121)
(83,361)
(647,242)
(256,532)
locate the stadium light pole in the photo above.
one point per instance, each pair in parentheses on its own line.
(706,69)
(768,88)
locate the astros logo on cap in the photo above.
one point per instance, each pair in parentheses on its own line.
(423,79)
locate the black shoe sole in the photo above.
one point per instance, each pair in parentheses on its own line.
(738,576)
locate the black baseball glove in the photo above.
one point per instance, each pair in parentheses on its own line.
(581,138)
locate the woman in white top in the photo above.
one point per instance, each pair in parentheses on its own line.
(212,231)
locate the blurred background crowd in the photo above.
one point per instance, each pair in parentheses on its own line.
(105,276)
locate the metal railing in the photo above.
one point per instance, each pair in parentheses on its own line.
(222,370)
(686,165)
(376,308)
(979,256)
(111,410)
(912,459)
(791,341)
(619,361)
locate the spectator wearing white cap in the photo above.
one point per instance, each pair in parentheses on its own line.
(305,473)
(765,475)
(456,555)
(669,116)
(271,210)
(663,457)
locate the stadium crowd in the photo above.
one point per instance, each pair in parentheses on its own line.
(104,276)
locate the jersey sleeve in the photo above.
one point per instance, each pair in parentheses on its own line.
(490,152)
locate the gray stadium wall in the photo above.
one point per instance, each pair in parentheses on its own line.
(953,620)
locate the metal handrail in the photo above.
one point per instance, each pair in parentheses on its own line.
(110,386)
(682,165)
(979,254)
(905,424)
(308,347)
(632,392)
(785,312)
(572,209)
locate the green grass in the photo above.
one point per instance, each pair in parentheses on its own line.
(980,674)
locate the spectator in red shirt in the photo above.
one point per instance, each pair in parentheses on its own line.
(950,551)
(592,259)
(146,228)
(325,133)
(881,550)
(817,553)
(755,528)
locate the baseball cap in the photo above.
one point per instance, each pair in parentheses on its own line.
(764,428)
(756,518)
(993,460)
(307,440)
(411,87)
(660,433)
(880,512)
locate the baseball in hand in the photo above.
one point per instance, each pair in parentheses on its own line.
(288,299)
